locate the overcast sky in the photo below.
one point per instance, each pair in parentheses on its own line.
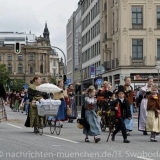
(26,15)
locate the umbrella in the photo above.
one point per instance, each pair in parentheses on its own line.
(48,88)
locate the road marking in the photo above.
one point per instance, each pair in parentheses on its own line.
(144,158)
(68,140)
(14,126)
(56,145)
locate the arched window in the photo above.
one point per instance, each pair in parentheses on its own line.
(9,68)
(20,68)
(31,70)
(41,69)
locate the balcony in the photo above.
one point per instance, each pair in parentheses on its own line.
(135,26)
(107,65)
(138,62)
(113,64)
(116,62)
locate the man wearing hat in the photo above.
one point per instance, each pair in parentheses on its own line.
(122,110)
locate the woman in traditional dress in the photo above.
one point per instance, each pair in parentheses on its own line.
(142,103)
(17,102)
(72,103)
(3,115)
(34,96)
(63,97)
(153,117)
(129,95)
(91,117)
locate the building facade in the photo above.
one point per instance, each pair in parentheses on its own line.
(70,47)
(130,40)
(54,64)
(33,60)
(91,39)
(77,63)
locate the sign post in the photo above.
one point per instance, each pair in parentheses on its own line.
(99,82)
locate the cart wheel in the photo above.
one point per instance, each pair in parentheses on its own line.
(58,127)
(41,126)
(52,127)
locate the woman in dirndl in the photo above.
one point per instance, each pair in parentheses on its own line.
(3,115)
(142,103)
(153,117)
(63,97)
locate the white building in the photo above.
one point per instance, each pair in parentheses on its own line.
(54,64)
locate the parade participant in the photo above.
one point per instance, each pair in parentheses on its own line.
(3,115)
(26,101)
(63,97)
(12,98)
(122,111)
(34,96)
(142,103)
(129,95)
(103,94)
(91,117)
(17,102)
(72,103)
(153,116)
(22,94)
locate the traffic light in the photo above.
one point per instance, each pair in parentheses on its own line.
(17,48)
(64,78)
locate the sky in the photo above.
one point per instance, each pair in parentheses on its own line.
(31,15)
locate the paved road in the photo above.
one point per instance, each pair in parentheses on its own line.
(19,143)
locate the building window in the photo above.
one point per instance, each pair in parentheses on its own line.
(31,70)
(20,68)
(9,68)
(31,57)
(20,58)
(41,57)
(137,49)
(158,49)
(54,63)
(137,16)
(158,17)
(9,57)
(54,72)
(41,69)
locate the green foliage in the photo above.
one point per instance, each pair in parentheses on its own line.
(53,80)
(4,74)
(16,84)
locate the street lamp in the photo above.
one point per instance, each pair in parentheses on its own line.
(158,69)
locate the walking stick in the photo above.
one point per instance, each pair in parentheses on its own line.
(108,136)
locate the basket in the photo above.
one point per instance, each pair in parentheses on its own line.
(49,108)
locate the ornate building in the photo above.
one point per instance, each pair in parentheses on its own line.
(33,60)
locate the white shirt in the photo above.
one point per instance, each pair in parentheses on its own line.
(121,100)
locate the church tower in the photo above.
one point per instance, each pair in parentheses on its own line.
(46,32)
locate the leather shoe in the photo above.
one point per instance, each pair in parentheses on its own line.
(113,137)
(126,141)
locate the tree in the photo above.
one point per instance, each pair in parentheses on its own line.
(17,84)
(4,74)
(53,80)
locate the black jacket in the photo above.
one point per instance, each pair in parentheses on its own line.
(3,92)
(125,108)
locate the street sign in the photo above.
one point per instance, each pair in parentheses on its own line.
(25,86)
(92,71)
(99,82)
(100,70)
(68,81)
